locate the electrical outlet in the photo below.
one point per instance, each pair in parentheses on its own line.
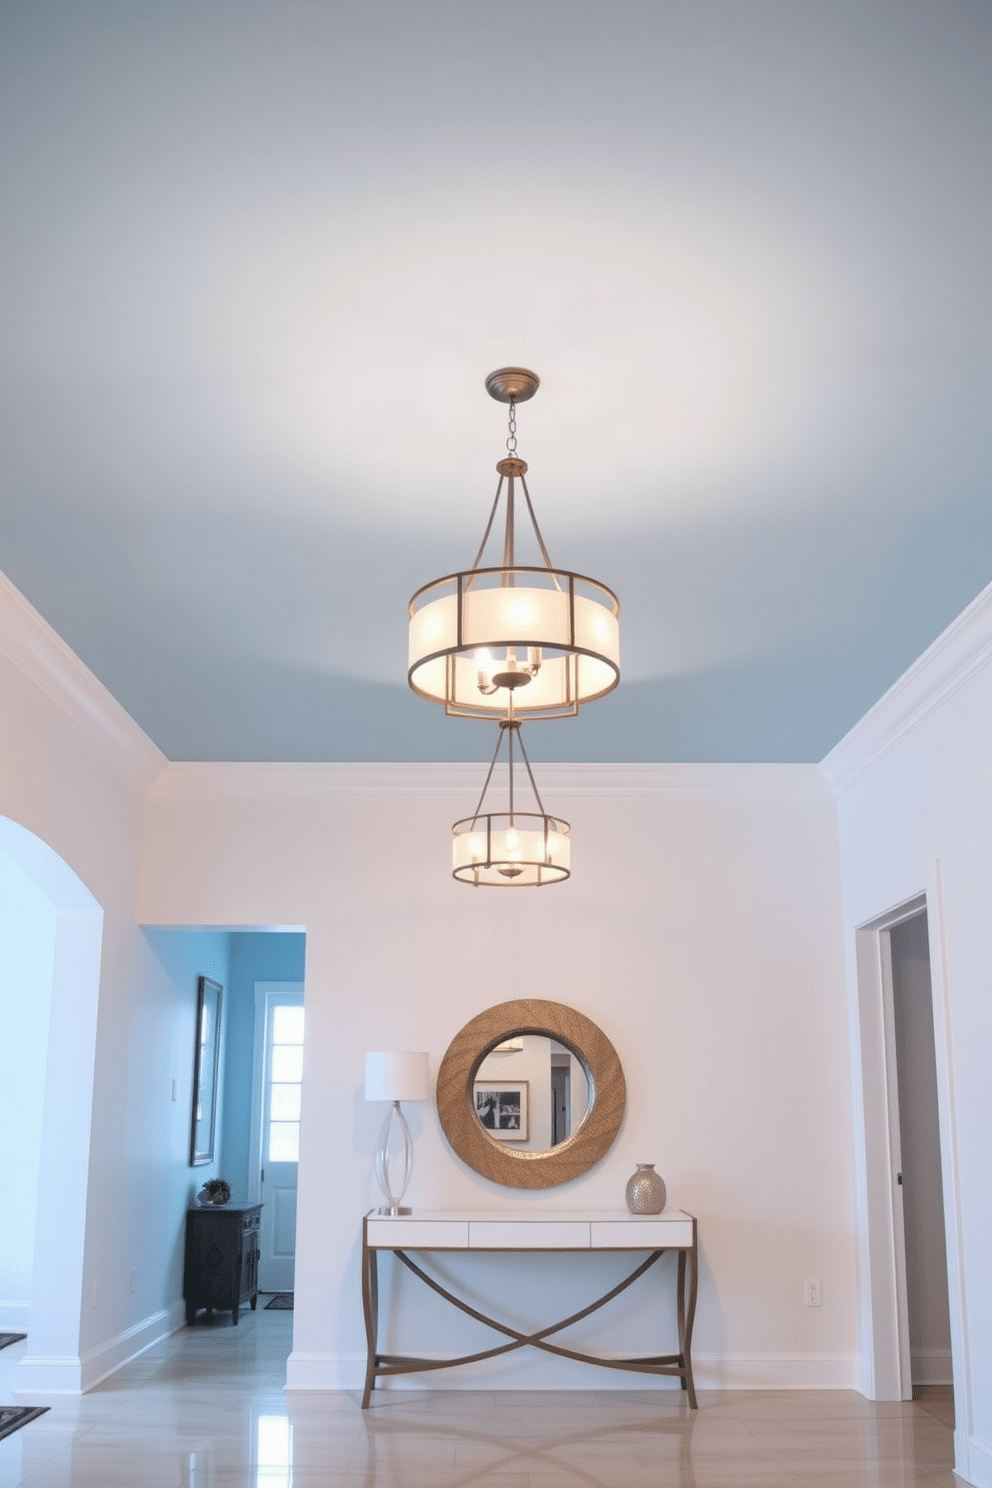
(811,1292)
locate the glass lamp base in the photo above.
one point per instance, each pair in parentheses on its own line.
(395,1132)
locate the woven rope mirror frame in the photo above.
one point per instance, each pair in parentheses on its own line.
(587,1144)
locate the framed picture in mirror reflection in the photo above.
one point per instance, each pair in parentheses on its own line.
(502,1109)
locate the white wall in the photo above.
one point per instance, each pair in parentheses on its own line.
(700,929)
(27,965)
(75,770)
(914,786)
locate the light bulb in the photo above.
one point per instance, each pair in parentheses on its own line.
(510,866)
(484,672)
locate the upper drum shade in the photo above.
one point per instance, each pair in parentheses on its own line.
(460,623)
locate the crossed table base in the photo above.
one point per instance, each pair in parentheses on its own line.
(528,1232)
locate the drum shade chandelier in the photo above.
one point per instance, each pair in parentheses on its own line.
(510,849)
(511,639)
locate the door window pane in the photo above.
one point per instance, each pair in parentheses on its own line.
(287,1062)
(285,1103)
(285,1075)
(284,1141)
(287,1025)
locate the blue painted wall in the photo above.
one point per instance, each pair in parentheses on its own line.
(256,956)
(165,1184)
(185,956)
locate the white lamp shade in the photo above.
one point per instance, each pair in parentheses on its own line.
(403,1076)
(571,621)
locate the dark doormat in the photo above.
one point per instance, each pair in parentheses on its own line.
(14,1416)
(282,1302)
(6,1338)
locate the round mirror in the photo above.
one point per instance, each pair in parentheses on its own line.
(531,1093)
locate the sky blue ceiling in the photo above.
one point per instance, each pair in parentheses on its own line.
(258,257)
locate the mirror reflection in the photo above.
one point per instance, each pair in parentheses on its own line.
(531,1092)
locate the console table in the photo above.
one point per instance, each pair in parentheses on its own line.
(460,1230)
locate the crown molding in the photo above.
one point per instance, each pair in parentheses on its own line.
(957,655)
(188,781)
(30,645)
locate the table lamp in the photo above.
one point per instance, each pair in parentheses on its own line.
(395,1077)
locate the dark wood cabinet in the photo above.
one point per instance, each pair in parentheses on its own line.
(221,1266)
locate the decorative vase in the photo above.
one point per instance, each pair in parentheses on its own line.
(646,1193)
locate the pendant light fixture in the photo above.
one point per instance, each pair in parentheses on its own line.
(513,640)
(510,849)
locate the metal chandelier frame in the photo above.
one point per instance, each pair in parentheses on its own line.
(513,642)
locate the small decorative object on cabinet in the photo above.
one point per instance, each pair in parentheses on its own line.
(646,1192)
(221,1266)
(216,1191)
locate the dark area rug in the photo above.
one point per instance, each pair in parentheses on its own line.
(12,1417)
(6,1338)
(282,1302)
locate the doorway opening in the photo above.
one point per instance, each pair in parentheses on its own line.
(50,953)
(927,1331)
(904,1106)
(237,959)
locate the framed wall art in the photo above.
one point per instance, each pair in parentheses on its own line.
(206,1067)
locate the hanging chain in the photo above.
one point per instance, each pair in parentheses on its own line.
(511,442)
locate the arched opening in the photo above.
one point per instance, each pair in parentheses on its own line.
(63,962)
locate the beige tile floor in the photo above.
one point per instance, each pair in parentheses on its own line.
(206,1409)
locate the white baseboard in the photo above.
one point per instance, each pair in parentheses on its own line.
(312,1371)
(775,1371)
(39,1376)
(14,1317)
(106,1358)
(325,1371)
(932,1367)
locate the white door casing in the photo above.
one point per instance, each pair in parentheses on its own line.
(886,1366)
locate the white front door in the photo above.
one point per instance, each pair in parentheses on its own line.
(280,1004)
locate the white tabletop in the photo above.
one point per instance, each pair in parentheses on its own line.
(530,1229)
(528,1215)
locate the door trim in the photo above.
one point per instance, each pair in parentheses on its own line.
(884,1323)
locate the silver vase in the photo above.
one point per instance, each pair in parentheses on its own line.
(646,1193)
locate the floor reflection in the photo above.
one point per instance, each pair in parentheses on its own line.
(207,1409)
(592,1452)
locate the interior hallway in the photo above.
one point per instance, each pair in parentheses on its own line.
(206,1409)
